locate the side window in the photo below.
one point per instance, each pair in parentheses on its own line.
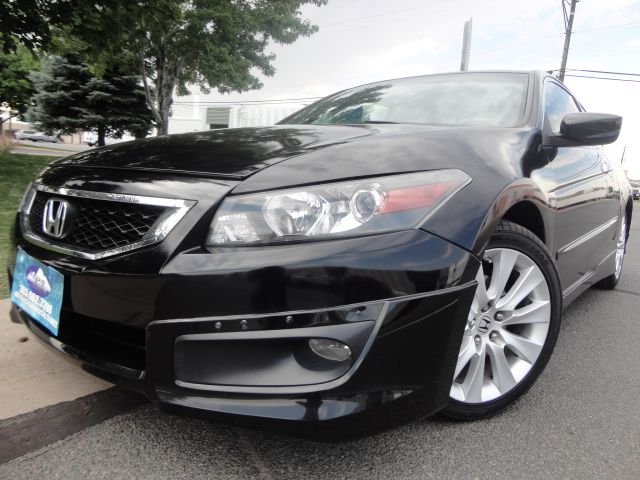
(557,104)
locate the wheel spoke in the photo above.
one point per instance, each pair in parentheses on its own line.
(537,311)
(525,348)
(514,279)
(466,354)
(480,298)
(502,267)
(472,385)
(502,376)
(620,246)
(528,280)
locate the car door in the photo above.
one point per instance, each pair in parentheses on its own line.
(579,185)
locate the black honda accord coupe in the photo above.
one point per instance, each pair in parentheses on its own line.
(391,251)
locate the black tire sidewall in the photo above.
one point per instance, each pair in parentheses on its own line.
(512,236)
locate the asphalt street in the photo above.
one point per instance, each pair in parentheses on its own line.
(580,420)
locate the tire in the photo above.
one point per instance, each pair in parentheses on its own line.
(508,340)
(610,282)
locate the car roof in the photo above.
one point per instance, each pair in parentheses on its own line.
(537,73)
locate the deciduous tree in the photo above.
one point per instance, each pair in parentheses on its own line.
(16,88)
(214,44)
(30,22)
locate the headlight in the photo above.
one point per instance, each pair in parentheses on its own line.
(357,207)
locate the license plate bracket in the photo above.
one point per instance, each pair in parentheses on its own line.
(37,289)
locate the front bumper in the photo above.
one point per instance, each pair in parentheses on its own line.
(227,332)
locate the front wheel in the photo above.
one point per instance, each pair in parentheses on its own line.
(512,326)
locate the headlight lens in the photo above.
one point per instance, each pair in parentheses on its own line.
(358,207)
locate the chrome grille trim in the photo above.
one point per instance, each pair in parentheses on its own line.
(175,211)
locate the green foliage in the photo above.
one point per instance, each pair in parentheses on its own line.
(170,44)
(70,98)
(117,104)
(210,43)
(61,98)
(16,89)
(29,22)
(17,171)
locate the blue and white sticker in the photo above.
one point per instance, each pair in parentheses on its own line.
(37,289)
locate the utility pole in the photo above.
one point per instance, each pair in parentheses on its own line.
(466,45)
(568,25)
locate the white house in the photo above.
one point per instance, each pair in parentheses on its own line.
(192,113)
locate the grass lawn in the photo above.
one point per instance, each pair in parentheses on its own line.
(16,171)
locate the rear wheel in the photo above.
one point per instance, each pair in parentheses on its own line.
(512,325)
(611,281)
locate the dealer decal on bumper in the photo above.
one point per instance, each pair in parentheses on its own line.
(37,289)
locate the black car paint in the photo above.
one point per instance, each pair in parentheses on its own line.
(230,153)
(425,277)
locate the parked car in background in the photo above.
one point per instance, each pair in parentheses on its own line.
(635,185)
(36,136)
(91,139)
(391,251)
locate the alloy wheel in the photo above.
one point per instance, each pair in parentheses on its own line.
(506,329)
(620,246)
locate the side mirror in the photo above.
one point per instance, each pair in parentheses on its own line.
(586,128)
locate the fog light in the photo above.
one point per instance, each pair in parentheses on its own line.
(330,349)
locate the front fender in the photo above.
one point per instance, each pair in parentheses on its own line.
(477,213)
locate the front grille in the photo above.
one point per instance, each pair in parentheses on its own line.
(100,224)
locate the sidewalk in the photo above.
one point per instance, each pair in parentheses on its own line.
(65,147)
(48,149)
(33,376)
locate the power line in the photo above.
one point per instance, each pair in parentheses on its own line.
(603,78)
(607,27)
(604,71)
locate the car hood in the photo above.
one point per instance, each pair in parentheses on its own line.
(235,153)
(299,154)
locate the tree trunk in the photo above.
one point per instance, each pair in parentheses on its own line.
(161,99)
(166,78)
(165,99)
(150,96)
(101,135)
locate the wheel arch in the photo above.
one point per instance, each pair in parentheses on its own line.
(522,202)
(526,214)
(629,212)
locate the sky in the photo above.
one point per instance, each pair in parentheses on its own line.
(362,41)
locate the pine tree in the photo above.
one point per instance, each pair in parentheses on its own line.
(70,98)
(61,98)
(117,104)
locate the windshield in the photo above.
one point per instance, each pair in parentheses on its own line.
(470,99)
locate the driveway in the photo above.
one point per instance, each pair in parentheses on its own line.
(47,148)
